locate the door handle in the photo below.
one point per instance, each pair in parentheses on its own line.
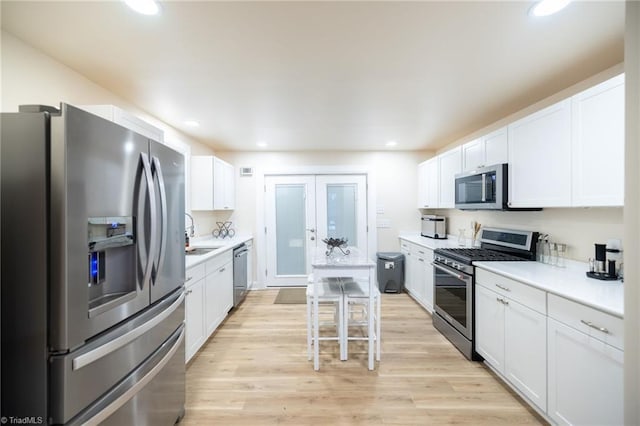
(132,391)
(155,163)
(146,166)
(125,339)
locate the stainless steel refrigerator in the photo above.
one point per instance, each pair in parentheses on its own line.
(92,271)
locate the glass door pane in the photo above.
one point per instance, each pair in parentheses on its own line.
(341,209)
(290,229)
(290,219)
(342,212)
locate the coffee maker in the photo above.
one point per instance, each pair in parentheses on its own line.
(603,266)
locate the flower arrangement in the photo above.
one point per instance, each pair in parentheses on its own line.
(339,243)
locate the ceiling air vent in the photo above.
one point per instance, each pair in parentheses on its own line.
(246,171)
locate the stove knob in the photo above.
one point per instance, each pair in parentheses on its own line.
(455,265)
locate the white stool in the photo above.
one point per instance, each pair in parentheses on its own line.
(356,312)
(327,293)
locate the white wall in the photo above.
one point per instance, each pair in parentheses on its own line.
(632,217)
(31,77)
(395,176)
(579,228)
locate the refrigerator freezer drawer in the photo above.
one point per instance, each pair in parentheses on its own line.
(153,394)
(81,377)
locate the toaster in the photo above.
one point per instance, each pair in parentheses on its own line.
(434,226)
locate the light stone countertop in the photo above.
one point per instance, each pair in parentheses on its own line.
(431,243)
(570,282)
(221,245)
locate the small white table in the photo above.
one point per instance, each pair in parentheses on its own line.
(339,266)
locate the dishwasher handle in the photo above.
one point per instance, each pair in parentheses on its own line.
(240,251)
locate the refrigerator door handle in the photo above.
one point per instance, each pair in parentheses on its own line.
(133,390)
(155,163)
(146,166)
(123,340)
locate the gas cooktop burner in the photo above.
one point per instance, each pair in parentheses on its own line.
(468,255)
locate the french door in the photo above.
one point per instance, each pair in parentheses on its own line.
(301,211)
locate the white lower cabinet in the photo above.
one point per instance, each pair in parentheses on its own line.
(209,297)
(585,372)
(218,292)
(194,314)
(564,357)
(405,248)
(511,336)
(418,278)
(489,327)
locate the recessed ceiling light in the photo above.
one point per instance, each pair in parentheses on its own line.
(191,123)
(548,7)
(145,7)
(391,143)
(262,144)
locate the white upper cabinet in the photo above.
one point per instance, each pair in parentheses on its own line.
(428,184)
(540,158)
(126,119)
(496,147)
(450,164)
(486,151)
(598,144)
(212,184)
(472,155)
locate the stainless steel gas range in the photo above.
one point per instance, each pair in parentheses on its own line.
(454,280)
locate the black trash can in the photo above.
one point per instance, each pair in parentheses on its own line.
(390,272)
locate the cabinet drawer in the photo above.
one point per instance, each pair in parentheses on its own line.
(194,274)
(597,324)
(520,292)
(218,261)
(423,252)
(404,244)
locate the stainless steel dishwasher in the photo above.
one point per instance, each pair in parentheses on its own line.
(240,279)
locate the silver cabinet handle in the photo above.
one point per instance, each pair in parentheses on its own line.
(221,269)
(117,343)
(312,230)
(421,260)
(502,288)
(592,325)
(188,279)
(501,300)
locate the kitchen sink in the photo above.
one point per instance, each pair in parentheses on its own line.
(199,251)
(210,246)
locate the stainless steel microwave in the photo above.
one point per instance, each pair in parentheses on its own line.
(485,188)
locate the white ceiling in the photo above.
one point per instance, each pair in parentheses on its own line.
(326,75)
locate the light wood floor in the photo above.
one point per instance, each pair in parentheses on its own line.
(254,371)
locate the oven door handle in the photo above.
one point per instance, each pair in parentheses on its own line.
(450,272)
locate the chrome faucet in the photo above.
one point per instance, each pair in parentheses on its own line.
(192,228)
